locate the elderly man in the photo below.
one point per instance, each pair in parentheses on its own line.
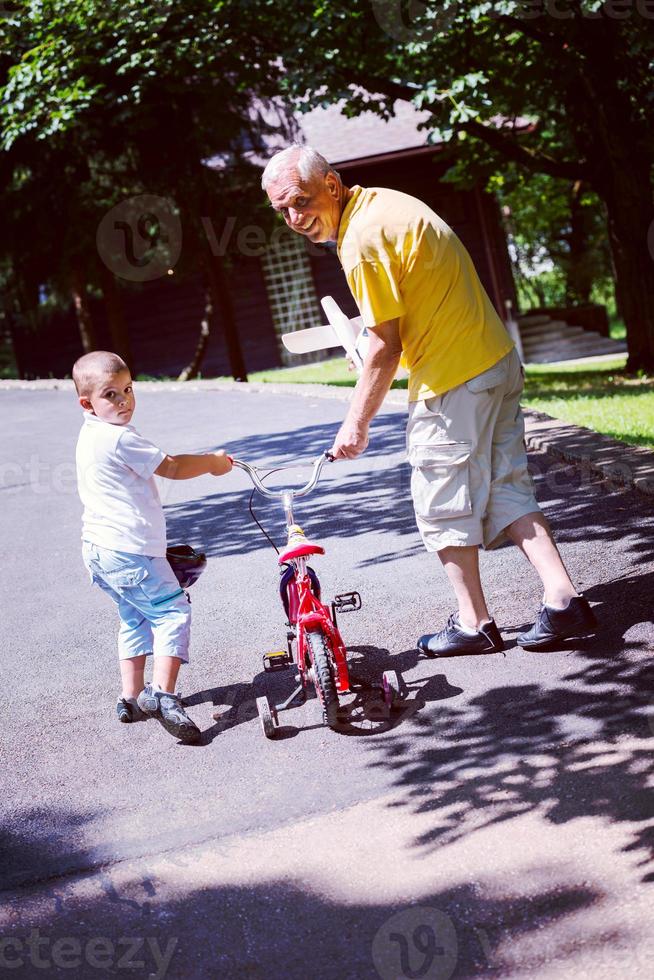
(422,302)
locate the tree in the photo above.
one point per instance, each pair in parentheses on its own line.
(114,100)
(562,89)
(554,222)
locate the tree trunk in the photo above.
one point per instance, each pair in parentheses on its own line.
(193,368)
(115,317)
(627,192)
(622,180)
(614,156)
(634,266)
(82,309)
(221,300)
(27,294)
(617,144)
(22,312)
(222,303)
(579,276)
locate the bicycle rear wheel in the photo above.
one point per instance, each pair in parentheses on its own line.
(322,675)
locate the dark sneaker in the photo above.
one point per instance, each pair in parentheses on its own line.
(128,712)
(167,709)
(453,640)
(553,625)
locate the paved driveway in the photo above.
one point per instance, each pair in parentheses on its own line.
(501,826)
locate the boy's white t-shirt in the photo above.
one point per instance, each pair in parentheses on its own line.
(115,479)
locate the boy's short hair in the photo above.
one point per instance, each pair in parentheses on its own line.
(90,367)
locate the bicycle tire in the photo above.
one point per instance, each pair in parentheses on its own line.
(322,675)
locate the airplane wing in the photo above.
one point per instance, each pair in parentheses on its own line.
(313,338)
(341,331)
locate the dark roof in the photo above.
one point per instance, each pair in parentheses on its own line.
(341,140)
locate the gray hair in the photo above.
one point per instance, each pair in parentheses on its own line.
(309,164)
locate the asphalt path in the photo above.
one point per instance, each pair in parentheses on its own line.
(559,740)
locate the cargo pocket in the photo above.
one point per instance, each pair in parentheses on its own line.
(440,482)
(123,578)
(159,590)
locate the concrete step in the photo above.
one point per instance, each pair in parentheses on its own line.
(551,336)
(581,343)
(583,339)
(533,319)
(591,339)
(545,339)
(571,350)
(553,358)
(538,328)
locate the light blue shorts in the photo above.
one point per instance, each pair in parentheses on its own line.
(155,613)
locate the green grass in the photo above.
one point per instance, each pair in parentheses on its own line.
(602,398)
(598,394)
(331,372)
(617,329)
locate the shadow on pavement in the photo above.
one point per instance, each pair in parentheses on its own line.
(221,525)
(583,507)
(363,713)
(581,747)
(274,929)
(578,747)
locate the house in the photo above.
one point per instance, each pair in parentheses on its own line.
(277,289)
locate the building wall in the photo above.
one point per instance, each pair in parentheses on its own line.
(163,318)
(164,315)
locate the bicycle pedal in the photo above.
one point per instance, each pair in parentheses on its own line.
(347,602)
(276,660)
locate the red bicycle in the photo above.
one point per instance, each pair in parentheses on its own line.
(314,642)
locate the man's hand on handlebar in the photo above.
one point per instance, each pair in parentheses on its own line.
(351,441)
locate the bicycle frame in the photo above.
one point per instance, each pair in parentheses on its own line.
(304,609)
(313,614)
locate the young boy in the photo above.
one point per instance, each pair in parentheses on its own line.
(124,539)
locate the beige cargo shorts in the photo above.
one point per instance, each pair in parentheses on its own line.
(467,450)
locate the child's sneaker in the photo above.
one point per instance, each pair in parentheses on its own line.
(128,711)
(167,708)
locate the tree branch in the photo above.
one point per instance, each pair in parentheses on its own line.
(534,161)
(526,27)
(493,136)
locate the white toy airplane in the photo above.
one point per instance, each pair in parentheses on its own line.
(339,332)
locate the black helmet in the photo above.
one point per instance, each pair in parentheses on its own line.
(186,563)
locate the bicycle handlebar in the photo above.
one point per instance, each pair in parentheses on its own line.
(253,473)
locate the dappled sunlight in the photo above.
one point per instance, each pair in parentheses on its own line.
(351,499)
(237,906)
(578,748)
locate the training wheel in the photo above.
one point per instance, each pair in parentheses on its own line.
(267,717)
(391,686)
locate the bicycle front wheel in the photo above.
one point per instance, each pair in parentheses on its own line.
(322,675)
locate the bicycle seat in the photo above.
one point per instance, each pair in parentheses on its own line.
(298,546)
(299,550)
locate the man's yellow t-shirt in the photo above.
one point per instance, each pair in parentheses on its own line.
(401,260)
